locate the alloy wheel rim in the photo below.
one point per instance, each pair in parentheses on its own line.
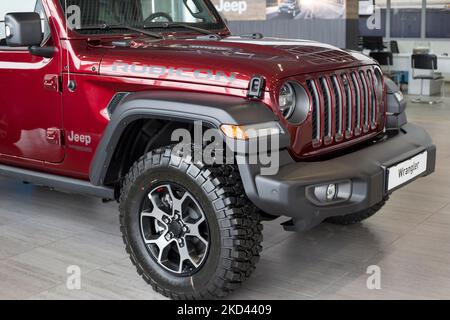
(174,229)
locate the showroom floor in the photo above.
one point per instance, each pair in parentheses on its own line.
(43,232)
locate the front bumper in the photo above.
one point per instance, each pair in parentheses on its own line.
(288,193)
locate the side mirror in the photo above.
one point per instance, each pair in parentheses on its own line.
(23,29)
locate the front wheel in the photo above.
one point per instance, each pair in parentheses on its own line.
(189,229)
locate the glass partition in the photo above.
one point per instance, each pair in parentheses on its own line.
(405,18)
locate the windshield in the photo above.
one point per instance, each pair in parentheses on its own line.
(84,15)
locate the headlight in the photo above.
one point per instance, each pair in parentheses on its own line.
(287,100)
(294,102)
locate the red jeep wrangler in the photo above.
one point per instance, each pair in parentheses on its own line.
(91,92)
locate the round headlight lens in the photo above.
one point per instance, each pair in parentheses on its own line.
(287,100)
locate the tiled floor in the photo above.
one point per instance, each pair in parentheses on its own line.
(43,232)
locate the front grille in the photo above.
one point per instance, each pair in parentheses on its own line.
(327,106)
(348,101)
(344,105)
(316,113)
(373,99)
(339,103)
(356,87)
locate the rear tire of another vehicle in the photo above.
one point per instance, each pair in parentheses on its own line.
(357,217)
(231,231)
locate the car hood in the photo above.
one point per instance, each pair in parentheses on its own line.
(230,62)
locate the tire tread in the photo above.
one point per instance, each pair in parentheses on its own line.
(357,217)
(238,219)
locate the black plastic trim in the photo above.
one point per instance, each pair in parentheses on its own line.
(212,109)
(115,101)
(285,194)
(57,182)
(396,110)
(44,52)
(256,87)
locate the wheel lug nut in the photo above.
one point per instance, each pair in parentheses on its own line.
(185,229)
(169,236)
(176,216)
(181,242)
(166,220)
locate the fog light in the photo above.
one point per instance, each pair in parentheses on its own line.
(331,192)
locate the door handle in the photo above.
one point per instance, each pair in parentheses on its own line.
(54,136)
(51,82)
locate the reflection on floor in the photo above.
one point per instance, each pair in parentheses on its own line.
(43,232)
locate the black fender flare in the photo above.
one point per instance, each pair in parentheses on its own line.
(213,109)
(396,110)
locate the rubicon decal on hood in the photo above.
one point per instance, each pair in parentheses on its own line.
(229,63)
(137,69)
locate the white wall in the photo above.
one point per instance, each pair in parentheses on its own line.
(7,6)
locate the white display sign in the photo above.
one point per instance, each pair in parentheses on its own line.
(407,171)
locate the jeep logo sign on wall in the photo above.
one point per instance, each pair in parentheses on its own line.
(242,9)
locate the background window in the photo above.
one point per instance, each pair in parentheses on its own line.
(137,12)
(405,20)
(438,21)
(372,18)
(367,27)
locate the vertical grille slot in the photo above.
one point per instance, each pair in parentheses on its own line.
(358,102)
(338,98)
(316,116)
(365,97)
(327,116)
(348,104)
(373,97)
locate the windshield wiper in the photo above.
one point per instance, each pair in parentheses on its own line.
(119,26)
(186,26)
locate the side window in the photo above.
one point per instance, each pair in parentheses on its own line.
(22,6)
(178,10)
(45,27)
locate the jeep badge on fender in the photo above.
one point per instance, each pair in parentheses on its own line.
(79,138)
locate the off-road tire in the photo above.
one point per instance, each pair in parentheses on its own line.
(234,223)
(357,217)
